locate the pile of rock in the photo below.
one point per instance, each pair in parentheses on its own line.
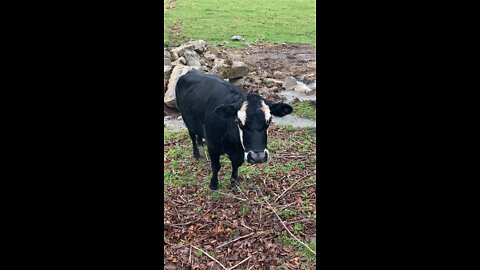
(210,59)
(198,55)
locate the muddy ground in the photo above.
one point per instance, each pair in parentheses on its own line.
(276,61)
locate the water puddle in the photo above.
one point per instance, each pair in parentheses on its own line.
(289,120)
(292,95)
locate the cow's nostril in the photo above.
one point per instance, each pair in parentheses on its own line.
(258,156)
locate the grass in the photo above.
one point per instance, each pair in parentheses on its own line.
(285,238)
(269,21)
(182,169)
(304,109)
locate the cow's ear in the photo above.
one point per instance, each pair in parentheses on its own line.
(225,111)
(280,109)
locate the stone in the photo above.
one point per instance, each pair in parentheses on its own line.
(290,83)
(192,58)
(240,82)
(170,98)
(302,88)
(273,81)
(210,56)
(237,38)
(237,70)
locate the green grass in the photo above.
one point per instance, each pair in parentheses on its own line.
(182,169)
(270,21)
(304,109)
(285,238)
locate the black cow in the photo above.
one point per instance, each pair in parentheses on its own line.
(231,122)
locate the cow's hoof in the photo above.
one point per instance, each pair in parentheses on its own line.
(196,156)
(213,187)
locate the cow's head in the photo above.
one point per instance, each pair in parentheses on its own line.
(253,115)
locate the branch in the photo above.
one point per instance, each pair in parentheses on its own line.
(285,226)
(211,257)
(241,237)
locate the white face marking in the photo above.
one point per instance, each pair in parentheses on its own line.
(266,111)
(242,113)
(241,139)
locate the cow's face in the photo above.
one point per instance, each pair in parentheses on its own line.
(253,117)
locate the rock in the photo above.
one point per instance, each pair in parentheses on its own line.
(238,82)
(237,70)
(174,55)
(192,58)
(198,45)
(181,50)
(170,98)
(302,88)
(290,83)
(237,38)
(210,56)
(310,78)
(278,75)
(166,70)
(182,60)
(263,91)
(167,61)
(274,81)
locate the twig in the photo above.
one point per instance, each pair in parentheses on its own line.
(288,189)
(285,226)
(251,267)
(232,196)
(241,237)
(190,256)
(211,257)
(233,267)
(246,226)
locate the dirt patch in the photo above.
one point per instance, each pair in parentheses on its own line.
(172,4)
(175,33)
(280,61)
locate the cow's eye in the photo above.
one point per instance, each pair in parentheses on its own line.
(269,121)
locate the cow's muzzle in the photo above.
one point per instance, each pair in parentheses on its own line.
(254,157)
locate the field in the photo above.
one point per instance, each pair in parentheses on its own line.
(271,223)
(267,21)
(251,224)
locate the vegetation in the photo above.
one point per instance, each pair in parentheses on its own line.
(287,184)
(267,21)
(305,109)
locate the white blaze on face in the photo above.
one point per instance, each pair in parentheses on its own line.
(242,115)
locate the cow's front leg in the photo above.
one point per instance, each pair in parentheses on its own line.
(215,162)
(234,181)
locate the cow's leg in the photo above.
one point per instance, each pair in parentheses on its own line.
(196,153)
(199,140)
(215,162)
(236,163)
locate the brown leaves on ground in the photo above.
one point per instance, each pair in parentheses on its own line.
(232,227)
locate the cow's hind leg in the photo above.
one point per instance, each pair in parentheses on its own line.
(196,153)
(215,162)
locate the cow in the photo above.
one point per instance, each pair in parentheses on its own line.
(230,121)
